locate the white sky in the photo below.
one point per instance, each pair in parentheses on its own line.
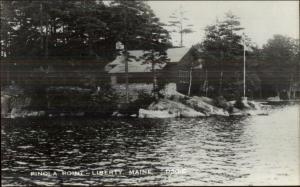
(261,20)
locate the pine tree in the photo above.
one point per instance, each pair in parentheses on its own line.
(6,29)
(125,22)
(70,29)
(157,42)
(179,24)
(134,23)
(223,43)
(281,54)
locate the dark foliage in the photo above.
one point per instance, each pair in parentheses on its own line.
(72,29)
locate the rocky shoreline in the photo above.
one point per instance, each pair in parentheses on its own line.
(171,104)
(174,104)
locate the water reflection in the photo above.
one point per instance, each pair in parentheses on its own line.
(220,150)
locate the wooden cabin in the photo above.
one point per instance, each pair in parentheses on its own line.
(177,69)
(187,72)
(184,67)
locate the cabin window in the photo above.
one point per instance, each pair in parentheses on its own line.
(183,76)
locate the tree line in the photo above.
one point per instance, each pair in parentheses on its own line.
(272,70)
(72,29)
(91,28)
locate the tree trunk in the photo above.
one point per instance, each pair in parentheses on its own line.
(181,37)
(277,92)
(154,81)
(90,43)
(260,92)
(190,82)
(6,53)
(294,93)
(289,92)
(221,83)
(126,76)
(41,27)
(205,84)
(47,38)
(221,74)
(126,57)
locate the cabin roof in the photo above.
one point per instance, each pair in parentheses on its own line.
(176,54)
(135,67)
(137,63)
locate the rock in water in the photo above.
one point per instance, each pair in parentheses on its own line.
(4,105)
(254,105)
(197,103)
(174,107)
(176,104)
(277,98)
(191,114)
(19,113)
(156,114)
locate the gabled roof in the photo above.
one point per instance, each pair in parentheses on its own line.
(176,54)
(137,64)
(135,67)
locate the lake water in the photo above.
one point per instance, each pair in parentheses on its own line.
(254,150)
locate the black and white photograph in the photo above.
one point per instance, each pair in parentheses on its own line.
(141,92)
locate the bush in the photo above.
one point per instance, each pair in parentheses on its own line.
(143,101)
(239,104)
(78,99)
(104,102)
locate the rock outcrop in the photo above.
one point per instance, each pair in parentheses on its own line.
(174,104)
(198,104)
(156,114)
(5,107)
(14,103)
(176,108)
(19,113)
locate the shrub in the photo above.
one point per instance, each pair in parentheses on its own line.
(143,101)
(239,103)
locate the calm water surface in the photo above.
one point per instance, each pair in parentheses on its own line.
(208,151)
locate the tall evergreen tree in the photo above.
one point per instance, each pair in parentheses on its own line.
(223,43)
(69,29)
(179,24)
(281,55)
(157,42)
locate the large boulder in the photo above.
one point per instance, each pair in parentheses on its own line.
(156,114)
(179,109)
(207,100)
(19,113)
(237,112)
(245,107)
(191,113)
(254,105)
(5,106)
(244,104)
(199,105)
(222,103)
(174,109)
(277,98)
(170,92)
